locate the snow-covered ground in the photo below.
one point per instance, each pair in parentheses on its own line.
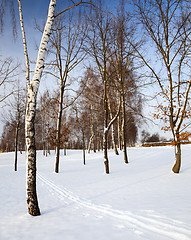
(141,200)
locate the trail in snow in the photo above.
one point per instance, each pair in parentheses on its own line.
(173,229)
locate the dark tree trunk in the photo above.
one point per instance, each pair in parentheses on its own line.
(64,150)
(105,136)
(84,156)
(16,145)
(57,159)
(57,155)
(124,129)
(98,136)
(59,120)
(44,148)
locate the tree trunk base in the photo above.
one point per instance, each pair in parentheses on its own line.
(33,208)
(125,158)
(106,166)
(57,160)
(34,212)
(176,167)
(116,151)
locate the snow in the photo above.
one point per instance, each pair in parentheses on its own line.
(142,200)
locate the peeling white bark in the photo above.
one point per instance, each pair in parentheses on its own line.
(33,86)
(43,47)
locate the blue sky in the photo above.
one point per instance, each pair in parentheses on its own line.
(10,47)
(31,10)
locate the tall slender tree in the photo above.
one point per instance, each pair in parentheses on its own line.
(121,64)
(167,28)
(99,47)
(65,45)
(33,86)
(13,114)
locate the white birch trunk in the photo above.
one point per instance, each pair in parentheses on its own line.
(112,130)
(92,129)
(33,86)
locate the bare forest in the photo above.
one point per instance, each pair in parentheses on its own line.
(104,67)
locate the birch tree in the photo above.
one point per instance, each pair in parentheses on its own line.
(126,85)
(121,64)
(113,102)
(167,29)
(91,106)
(99,47)
(65,46)
(13,114)
(92,101)
(81,124)
(33,87)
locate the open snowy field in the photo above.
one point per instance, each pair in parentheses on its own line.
(141,200)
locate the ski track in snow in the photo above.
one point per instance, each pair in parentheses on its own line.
(174,229)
